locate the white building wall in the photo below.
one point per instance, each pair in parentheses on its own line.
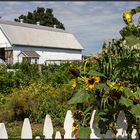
(4,43)
(48,54)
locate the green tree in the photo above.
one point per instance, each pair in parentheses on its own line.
(42,15)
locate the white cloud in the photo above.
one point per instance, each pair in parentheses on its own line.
(91,22)
(79,3)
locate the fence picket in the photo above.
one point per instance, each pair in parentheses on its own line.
(134,134)
(108,135)
(48,128)
(37,137)
(26,132)
(68,123)
(121,125)
(95,133)
(3,132)
(58,135)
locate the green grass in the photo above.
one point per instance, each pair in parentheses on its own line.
(14,129)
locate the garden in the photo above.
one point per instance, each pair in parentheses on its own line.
(108,83)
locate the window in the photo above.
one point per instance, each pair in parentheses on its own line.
(29,56)
(36,61)
(31,60)
(28,59)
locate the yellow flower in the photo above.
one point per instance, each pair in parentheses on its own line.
(74,83)
(127,16)
(74,128)
(91,86)
(96,78)
(91,81)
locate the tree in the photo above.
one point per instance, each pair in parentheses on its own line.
(42,15)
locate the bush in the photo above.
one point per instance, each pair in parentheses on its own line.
(54,103)
(35,101)
(56,75)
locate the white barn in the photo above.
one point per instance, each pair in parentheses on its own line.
(36,43)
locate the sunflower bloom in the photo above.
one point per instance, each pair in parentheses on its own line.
(91,86)
(96,78)
(91,81)
(127,17)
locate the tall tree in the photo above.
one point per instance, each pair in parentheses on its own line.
(42,15)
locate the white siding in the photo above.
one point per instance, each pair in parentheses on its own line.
(49,54)
(4,43)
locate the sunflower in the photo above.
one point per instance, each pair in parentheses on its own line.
(127,17)
(91,81)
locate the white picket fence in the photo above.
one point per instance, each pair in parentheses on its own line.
(26,132)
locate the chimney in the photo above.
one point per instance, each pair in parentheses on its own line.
(54,26)
(21,20)
(37,23)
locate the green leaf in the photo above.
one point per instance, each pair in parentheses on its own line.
(96,118)
(125,62)
(103,125)
(95,73)
(79,97)
(126,102)
(127,92)
(100,86)
(102,119)
(84,132)
(135,110)
(138,92)
(88,109)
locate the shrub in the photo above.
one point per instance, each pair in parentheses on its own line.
(35,101)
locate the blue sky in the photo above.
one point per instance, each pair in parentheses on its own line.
(92,22)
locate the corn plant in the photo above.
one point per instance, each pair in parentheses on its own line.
(120,62)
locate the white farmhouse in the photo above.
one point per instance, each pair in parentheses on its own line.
(36,43)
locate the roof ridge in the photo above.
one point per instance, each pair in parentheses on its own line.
(28,25)
(41,36)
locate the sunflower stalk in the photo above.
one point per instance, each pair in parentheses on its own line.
(85,67)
